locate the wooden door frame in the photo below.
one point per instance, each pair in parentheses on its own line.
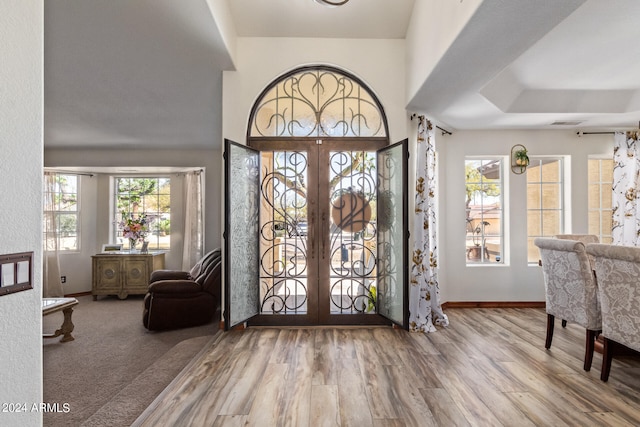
(316,211)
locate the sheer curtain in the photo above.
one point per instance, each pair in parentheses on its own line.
(52,286)
(424,294)
(626,180)
(193,220)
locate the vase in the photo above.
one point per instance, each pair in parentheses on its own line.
(132,245)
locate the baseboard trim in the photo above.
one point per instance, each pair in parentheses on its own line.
(79,294)
(493,304)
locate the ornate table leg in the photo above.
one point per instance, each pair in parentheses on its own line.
(67,326)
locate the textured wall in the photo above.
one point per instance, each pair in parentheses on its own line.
(21,74)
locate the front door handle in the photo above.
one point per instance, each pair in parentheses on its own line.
(311,231)
(324,238)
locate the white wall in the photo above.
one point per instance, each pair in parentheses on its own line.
(434,26)
(21,74)
(95,202)
(514,281)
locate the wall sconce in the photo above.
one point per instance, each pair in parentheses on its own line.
(519,159)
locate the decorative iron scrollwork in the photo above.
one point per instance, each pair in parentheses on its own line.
(353,232)
(318,103)
(283,254)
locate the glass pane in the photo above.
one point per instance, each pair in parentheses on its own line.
(533,253)
(606,193)
(534,226)
(606,170)
(533,196)
(607,222)
(242,223)
(551,196)
(533,171)
(472,171)
(391,238)
(550,171)
(67,231)
(594,222)
(493,249)
(593,196)
(490,171)
(164,185)
(151,203)
(68,202)
(551,222)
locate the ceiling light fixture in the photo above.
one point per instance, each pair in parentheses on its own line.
(331,3)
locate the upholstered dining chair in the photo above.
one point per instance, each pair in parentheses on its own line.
(584,238)
(570,289)
(618,272)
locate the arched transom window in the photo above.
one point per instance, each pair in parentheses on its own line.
(316,102)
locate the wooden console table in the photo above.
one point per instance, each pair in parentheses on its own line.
(52,305)
(123,273)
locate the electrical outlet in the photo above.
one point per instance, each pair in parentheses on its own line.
(63,279)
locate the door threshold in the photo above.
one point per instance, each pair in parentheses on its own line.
(320,327)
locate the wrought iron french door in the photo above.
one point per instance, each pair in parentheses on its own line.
(330,248)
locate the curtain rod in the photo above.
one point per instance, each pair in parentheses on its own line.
(444,131)
(579,133)
(63,172)
(595,133)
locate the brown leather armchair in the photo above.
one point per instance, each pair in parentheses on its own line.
(181,299)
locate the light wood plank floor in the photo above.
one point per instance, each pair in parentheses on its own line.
(489,368)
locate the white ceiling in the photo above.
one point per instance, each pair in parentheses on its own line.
(527,66)
(121,73)
(363,19)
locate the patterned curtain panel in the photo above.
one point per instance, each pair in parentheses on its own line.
(626,206)
(424,297)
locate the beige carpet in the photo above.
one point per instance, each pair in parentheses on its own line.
(114,368)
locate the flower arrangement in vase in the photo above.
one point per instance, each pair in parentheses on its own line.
(134,229)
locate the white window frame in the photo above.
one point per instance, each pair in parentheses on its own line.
(57,213)
(563,191)
(491,260)
(151,237)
